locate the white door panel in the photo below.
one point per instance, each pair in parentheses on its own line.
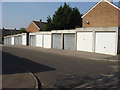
(39,40)
(47,41)
(84,41)
(105,43)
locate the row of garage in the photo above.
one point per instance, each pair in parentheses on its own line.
(99,42)
(7,40)
(40,39)
(53,40)
(89,40)
(19,39)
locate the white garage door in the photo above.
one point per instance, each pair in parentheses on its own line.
(105,43)
(12,38)
(39,40)
(24,39)
(20,40)
(5,42)
(69,41)
(9,40)
(56,41)
(84,41)
(32,40)
(15,39)
(47,41)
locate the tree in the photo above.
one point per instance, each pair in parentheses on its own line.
(22,30)
(64,18)
(61,17)
(48,25)
(75,18)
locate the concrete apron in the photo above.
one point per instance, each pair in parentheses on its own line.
(80,54)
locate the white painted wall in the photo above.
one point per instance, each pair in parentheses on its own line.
(12,40)
(39,40)
(85,41)
(47,41)
(24,39)
(105,43)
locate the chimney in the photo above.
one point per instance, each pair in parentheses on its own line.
(111,1)
(40,20)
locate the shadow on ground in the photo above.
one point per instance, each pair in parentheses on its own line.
(12,64)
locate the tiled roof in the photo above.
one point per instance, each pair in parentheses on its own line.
(40,24)
(8,31)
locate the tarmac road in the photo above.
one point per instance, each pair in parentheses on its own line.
(54,70)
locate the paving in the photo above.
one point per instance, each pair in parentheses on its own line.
(61,69)
(24,80)
(14,75)
(81,54)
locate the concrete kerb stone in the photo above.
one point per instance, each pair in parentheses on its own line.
(104,59)
(36,81)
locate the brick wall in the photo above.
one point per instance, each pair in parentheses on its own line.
(103,15)
(32,28)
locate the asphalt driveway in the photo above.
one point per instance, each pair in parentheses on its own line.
(55,70)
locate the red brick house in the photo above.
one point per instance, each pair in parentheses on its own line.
(103,14)
(35,26)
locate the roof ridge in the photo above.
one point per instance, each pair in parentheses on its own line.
(38,21)
(36,25)
(112,4)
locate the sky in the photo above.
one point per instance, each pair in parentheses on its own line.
(20,14)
